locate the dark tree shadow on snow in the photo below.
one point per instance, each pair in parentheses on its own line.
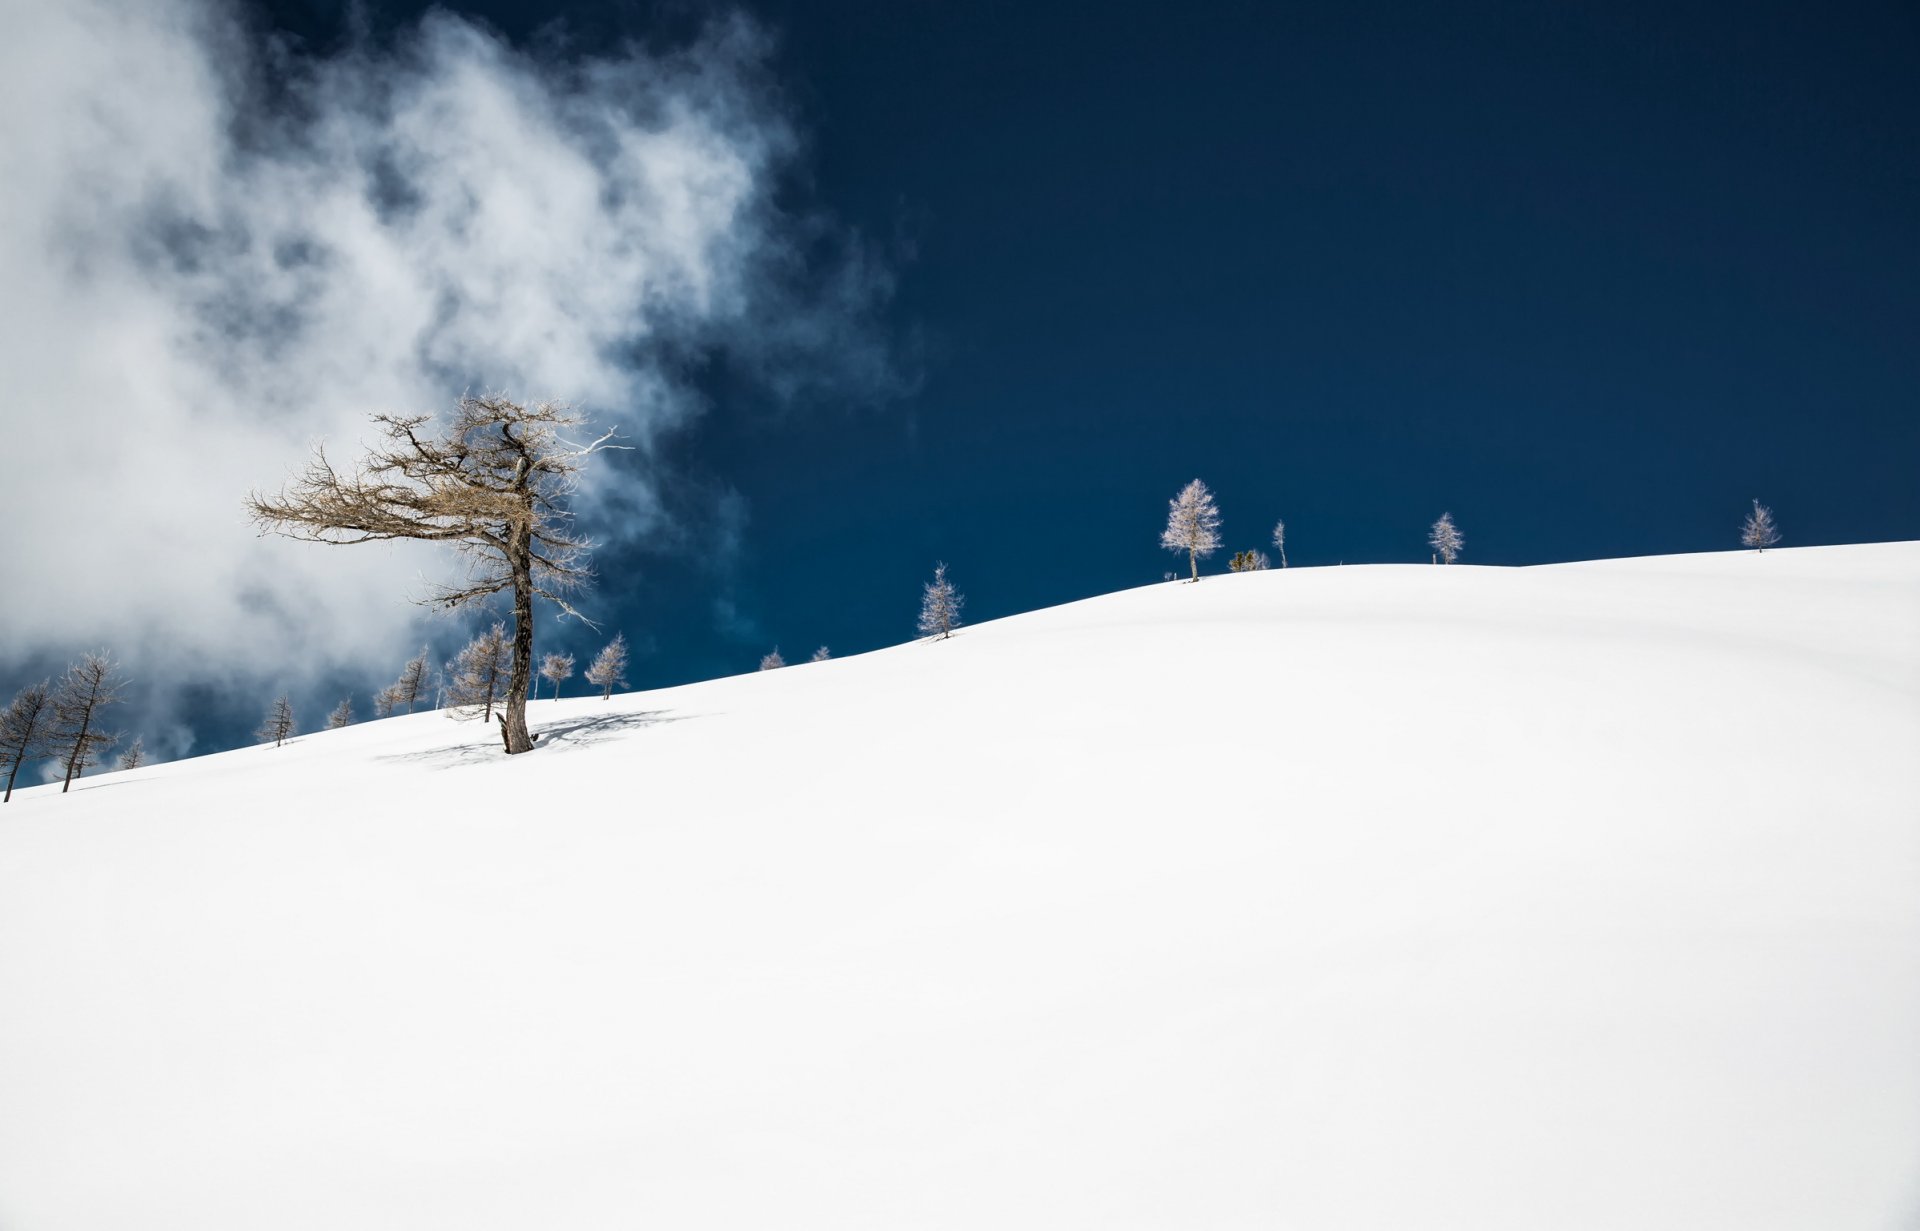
(567,733)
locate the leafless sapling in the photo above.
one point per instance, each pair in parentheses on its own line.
(89,686)
(820,655)
(411,687)
(26,730)
(1280,541)
(342,715)
(608,669)
(557,669)
(135,754)
(495,484)
(385,702)
(773,661)
(940,605)
(1248,561)
(278,725)
(1445,539)
(1193,525)
(1759,532)
(478,676)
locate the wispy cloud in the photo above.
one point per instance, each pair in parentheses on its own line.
(214,251)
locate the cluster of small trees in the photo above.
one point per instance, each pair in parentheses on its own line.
(1193,526)
(48,721)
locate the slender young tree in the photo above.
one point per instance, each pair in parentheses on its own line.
(385,702)
(1193,525)
(609,667)
(820,655)
(496,484)
(1280,541)
(773,661)
(479,675)
(557,669)
(26,731)
(136,753)
(89,686)
(1445,539)
(411,687)
(940,606)
(278,725)
(1759,532)
(342,715)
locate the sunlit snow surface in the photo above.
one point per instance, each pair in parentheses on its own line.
(1584,896)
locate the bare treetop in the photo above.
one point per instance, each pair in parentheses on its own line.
(497,476)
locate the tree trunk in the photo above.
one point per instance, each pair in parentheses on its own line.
(11,775)
(79,744)
(1193,562)
(520,551)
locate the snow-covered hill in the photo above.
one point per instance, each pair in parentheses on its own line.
(1383,897)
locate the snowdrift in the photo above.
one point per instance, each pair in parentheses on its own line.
(1368,897)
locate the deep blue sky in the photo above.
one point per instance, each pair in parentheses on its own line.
(1588,276)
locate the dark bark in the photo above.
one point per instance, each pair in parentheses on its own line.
(79,748)
(520,562)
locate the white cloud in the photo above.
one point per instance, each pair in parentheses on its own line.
(211,256)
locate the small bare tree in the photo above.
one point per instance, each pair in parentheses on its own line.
(26,730)
(773,661)
(557,669)
(136,753)
(478,676)
(609,667)
(1445,539)
(1280,541)
(342,715)
(88,687)
(1248,561)
(495,484)
(278,725)
(820,655)
(940,606)
(1193,525)
(1759,532)
(385,702)
(411,687)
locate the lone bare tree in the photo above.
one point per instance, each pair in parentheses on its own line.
(480,674)
(135,754)
(495,484)
(26,731)
(773,661)
(1759,532)
(609,666)
(1280,541)
(1193,525)
(88,687)
(279,724)
(557,669)
(342,715)
(940,606)
(1445,539)
(820,655)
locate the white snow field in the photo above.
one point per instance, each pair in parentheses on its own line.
(1583,896)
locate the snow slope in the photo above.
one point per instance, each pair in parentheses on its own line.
(1373,897)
